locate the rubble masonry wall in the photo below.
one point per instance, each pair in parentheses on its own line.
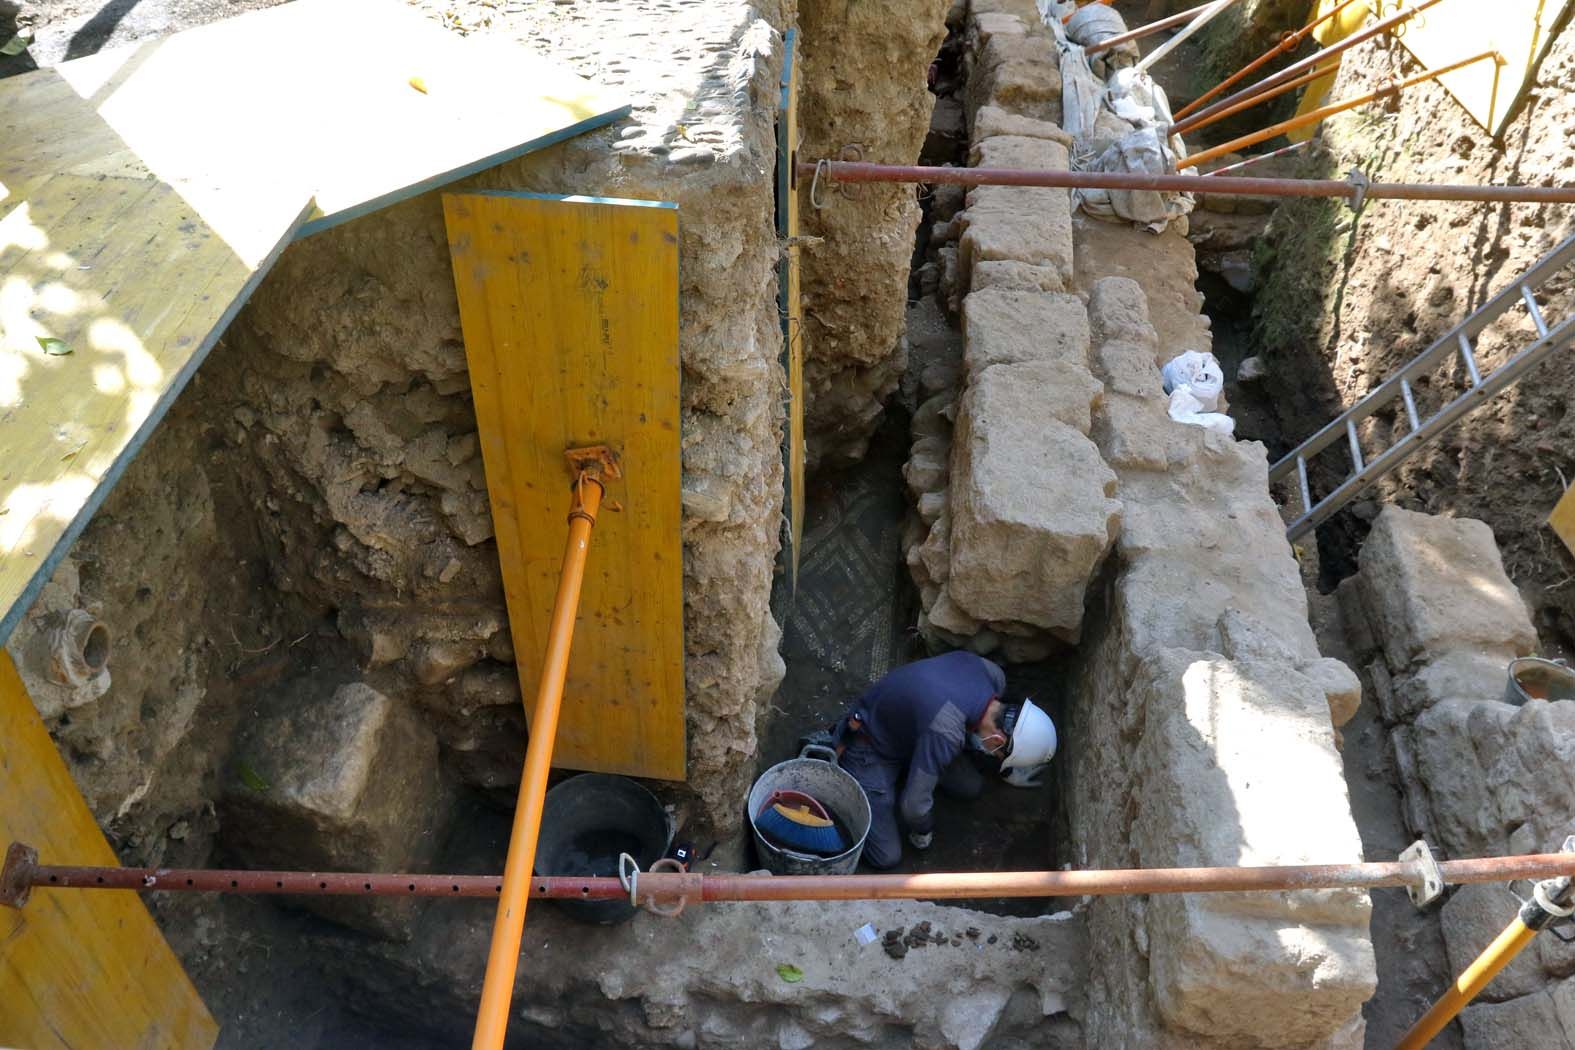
(1202,730)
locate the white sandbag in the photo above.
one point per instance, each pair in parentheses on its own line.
(1186,407)
(1201,372)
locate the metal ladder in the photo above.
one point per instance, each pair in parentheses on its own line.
(1458,341)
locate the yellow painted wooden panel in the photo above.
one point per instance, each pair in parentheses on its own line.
(1316,94)
(570,316)
(145,190)
(125,276)
(82,969)
(1562,520)
(1520,30)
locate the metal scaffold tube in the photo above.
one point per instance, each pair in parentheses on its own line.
(1296,69)
(22,873)
(860,171)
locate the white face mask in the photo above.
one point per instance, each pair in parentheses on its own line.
(977,743)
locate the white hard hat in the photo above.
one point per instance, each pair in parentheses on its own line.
(1032,738)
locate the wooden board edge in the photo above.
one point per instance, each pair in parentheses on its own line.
(111,477)
(320,222)
(1562,519)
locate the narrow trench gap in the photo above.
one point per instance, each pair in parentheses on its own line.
(853,616)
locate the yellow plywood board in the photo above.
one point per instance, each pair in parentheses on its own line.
(1520,30)
(1562,520)
(570,315)
(793,304)
(144,191)
(78,968)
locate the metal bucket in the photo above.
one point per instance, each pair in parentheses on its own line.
(586,822)
(834,788)
(1533,678)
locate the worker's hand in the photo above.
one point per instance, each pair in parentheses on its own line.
(921,840)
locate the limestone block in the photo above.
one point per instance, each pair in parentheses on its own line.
(1118,311)
(991,121)
(933,417)
(1017,73)
(1129,368)
(1226,751)
(349,783)
(1019,151)
(1433,584)
(1026,224)
(1531,767)
(1133,433)
(1031,508)
(1015,276)
(925,470)
(988,24)
(1006,327)
(1470,920)
(1446,741)
(1464,674)
(1339,684)
(1544,1020)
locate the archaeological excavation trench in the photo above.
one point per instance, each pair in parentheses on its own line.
(876,422)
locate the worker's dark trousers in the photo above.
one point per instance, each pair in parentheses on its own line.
(881,780)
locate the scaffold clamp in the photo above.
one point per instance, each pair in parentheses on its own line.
(1428,885)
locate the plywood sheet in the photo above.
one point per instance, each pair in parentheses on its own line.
(570,315)
(790,301)
(1520,30)
(78,968)
(1562,520)
(144,192)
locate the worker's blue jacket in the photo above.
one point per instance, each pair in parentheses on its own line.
(918,716)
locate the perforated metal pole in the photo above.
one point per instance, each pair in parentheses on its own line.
(860,171)
(728,887)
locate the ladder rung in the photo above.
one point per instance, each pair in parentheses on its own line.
(1301,473)
(1536,314)
(1410,405)
(1356,445)
(1470,359)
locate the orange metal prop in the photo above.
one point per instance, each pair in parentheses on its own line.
(1327,111)
(497,990)
(1287,44)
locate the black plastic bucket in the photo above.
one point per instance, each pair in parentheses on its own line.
(586,822)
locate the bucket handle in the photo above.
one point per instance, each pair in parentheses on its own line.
(820,752)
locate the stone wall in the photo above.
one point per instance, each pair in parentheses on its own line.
(1014,504)
(862,85)
(314,511)
(1203,728)
(1437,621)
(966,980)
(353,364)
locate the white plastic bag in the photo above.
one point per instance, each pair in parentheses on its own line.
(1186,407)
(1201,372)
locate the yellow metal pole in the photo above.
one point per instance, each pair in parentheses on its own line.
(1466,987)
(1327,111)
(497,990)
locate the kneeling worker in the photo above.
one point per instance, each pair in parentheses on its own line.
(915,723)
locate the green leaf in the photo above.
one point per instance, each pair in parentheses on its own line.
(250,777)
(17,44)
(52,346)
(790,973)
